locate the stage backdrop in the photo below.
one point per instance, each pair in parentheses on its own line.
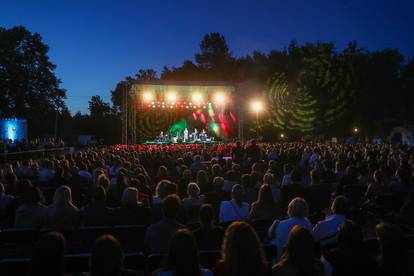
(174,106)
(13,129)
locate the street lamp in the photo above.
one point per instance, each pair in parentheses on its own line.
(257,106)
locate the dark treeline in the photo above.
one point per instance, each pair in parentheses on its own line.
(312,88)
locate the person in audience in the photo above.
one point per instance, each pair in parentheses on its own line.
(298,211)
(193,202)
(287,170)
(250,193)
(377,187)
(208,236)
(299,256)
(47,171)
(163,189)
(107,258)
(348,257)
(265,208)
(241,253)
(62,214)
(203,182)
(270,179)
(32,213)
(197,166)
(326,231)
(58,179)
(194,198)
(182,257)
(131,212)
(159,234)
(5,199)
(393,257)
(235,209)
(115,190)
(48,256)
(96,213)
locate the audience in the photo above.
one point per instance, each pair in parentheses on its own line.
(326,231)
(32,213)
(62,214)
(208,236)
(241,253)
(265,208)
(131,211)
(298,211)
(299,256)
(116,186)
(348,257)
(107,258)
(96,213)
(182,257)
(235,209)
(159,234)
(48,256)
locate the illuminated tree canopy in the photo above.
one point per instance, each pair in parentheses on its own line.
(313,91)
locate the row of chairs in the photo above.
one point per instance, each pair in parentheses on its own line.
(79,263)
(19,242)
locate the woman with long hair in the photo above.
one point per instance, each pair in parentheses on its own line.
(299,256)
(48,256)
(107,258)
(62,214)
(265,207)
(182,258)
(241,252)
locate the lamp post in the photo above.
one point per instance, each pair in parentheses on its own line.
(257,106)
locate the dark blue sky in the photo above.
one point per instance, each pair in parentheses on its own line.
(95,44)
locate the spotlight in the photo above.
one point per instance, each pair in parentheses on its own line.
(197,97)
(147,96)
(282,135)
(171,97)
(257,106)
(219,98)
(355,130)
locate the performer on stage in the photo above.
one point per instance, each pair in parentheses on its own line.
(195,134)
(185,135)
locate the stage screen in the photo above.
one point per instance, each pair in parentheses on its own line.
(13,129)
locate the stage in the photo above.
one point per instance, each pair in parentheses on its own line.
(156,142)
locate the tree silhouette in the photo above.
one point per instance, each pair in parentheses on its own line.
(28,85)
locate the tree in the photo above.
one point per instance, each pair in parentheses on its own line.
(315,89)
(123,86)
(98,108)
(214,51)
(28,86)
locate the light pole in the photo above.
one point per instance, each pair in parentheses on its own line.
(257,106)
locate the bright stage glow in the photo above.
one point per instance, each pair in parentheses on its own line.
(197,97)
(282,135)
(257,106)
(219,98)
(147,96)
(171,97)
(355,129)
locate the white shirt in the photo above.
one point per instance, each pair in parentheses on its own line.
(326,231)
(283,230)
(230,211)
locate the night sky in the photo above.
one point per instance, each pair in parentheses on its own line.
(95,44)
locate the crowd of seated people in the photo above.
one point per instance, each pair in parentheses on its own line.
(314,203)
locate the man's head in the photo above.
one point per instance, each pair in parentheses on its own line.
(171,206)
